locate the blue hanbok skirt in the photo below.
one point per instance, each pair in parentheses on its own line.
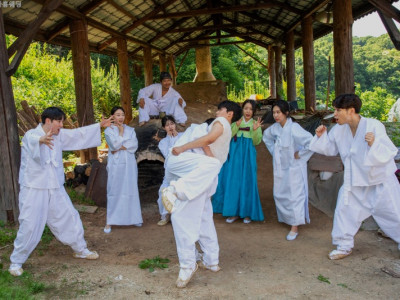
(237,191)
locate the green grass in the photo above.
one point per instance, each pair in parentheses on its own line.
(323,279)
(22,287)
(7,234)
(156,262)
(78,198)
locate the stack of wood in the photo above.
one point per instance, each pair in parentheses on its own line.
(29,118)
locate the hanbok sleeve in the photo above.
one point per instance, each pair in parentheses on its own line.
(114,141)
(146,92)
(268,140)
(234,129)
(30,142)
(183,100)
(256,135)
(131,142)
(325,144)
(163,145)
(303,139)
(382,150)
(80,138)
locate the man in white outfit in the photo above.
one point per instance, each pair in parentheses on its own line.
(188,198)
(161,97)
(370,186)
(42,198)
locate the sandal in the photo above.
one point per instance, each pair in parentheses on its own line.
(86,254)
(181,283)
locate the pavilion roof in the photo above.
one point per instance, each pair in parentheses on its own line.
(173,26)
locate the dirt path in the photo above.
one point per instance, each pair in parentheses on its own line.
(257,262)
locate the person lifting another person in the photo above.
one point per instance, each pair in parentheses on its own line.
(161,98)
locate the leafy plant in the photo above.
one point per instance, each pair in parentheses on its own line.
(323,279)
(156,262)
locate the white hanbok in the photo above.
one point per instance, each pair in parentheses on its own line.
(123,203)
(290,174)
(165,145)
(195,178)
(370,186)
(155,103)
(42,198)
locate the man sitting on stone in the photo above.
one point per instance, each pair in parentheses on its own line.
(161,97)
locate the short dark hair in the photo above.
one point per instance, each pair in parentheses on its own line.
(347,101)
(253,105)
(209,121)
(53,113)
(167,118)
(232,106)
(283,106)
(165,75)
(115,108)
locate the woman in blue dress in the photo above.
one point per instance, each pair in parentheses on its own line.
(237,193)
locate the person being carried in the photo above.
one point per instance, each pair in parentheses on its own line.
(42,197)
(123,203)
(188,197)
(161,97)
(370,186)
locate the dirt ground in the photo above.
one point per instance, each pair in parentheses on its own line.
(256,260)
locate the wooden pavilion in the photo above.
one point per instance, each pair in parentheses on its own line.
(159,30)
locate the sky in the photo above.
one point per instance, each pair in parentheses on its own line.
(371,25)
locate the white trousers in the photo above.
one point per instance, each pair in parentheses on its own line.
(193,221)
(196,173)
(39,207)
(154,107)
(381,201)
(161,208)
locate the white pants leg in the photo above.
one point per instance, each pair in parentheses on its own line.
(196,173)
(381,201)
(64,220)
(208,239)
(172,107)
(192,222)
(33,208)
(150,109)
(161,208)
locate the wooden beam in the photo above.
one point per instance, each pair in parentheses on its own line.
(392,29)
(172,69)
(142,20)
(148,66)
(64,24)
(74,14)
(124,82)
(182,60)
(271,71)
(343,47)
(278,71)
(387,9)
(188,47)
(290,67)
(214,37)
(253,57)
(10,151)
(248,38)
(82,77)
(21,44)
(308,64)
(163,62)
(220,10)
(252,29)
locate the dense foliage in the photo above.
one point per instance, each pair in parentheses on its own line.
(45,76)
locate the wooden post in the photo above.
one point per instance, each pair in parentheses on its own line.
(9,142)
(342,46)
(278,71)
(308,63)
(124,82)
(82,79)
(203,63)
(163,62)
(271,71)
(148,66)
(290,67)
(172,69)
